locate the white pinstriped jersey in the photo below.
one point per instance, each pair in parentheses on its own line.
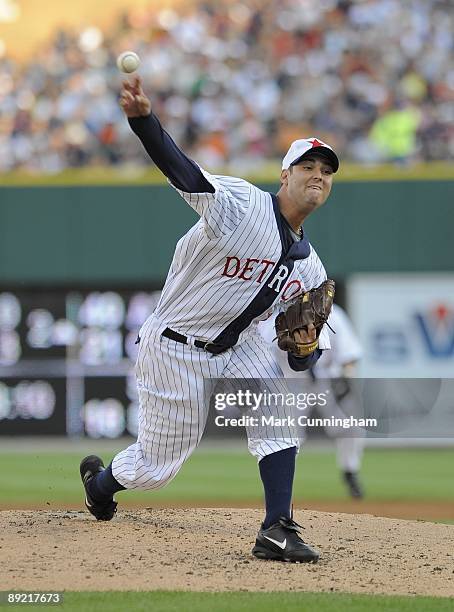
(236,266)
(231,261)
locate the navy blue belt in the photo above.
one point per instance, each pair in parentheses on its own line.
(211,347)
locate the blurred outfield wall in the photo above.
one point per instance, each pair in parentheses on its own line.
(61,235)
(78,265)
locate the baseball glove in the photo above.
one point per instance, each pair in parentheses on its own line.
(313,307)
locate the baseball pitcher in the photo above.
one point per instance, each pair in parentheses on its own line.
(246,256)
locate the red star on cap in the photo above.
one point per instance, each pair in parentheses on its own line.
(441,312)
(316,143)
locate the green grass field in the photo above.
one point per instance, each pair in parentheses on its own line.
(220,477)
(229,476)
(166,601)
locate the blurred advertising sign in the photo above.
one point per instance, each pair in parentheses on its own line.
(405,323)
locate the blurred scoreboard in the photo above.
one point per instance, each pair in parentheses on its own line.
(67,361)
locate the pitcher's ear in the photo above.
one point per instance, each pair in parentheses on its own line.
(284,176)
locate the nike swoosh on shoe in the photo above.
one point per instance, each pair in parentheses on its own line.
(280,544)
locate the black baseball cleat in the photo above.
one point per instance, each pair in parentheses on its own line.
(105,510)
(353,485)
(281,542)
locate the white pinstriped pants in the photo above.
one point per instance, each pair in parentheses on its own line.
(174,388)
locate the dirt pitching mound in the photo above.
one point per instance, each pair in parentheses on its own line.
(210,550)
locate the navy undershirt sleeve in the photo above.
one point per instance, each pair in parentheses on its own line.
(181,171)
(299,364)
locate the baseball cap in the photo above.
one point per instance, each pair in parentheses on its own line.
(299,149)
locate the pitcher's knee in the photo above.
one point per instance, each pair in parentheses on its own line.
(148,478)
(158,480)
(139,467)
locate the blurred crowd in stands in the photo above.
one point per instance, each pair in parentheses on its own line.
(236,82)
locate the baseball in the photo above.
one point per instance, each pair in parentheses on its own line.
(128,61)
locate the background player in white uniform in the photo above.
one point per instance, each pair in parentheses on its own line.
(338,363)
(245,257)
